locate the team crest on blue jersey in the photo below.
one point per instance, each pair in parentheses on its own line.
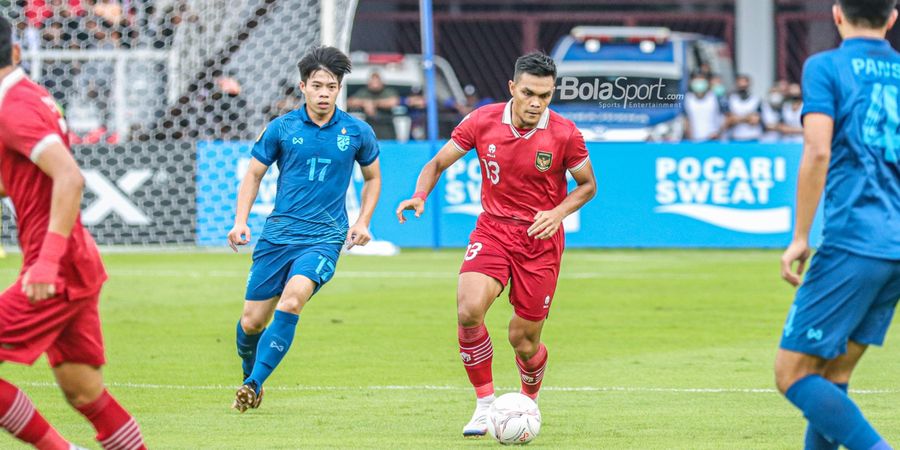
(543,160)
(343,142)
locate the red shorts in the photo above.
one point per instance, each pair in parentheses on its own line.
(502,249)
(68,331)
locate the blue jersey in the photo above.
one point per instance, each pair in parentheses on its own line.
(315,165)
(858,85)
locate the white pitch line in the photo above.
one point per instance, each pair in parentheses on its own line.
(448,275)
(636,389)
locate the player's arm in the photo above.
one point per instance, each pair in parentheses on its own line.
(359,233)
(428,178)
(818,130)
(547,223)
(240,233)
(55,160)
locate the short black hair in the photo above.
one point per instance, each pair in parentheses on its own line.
(868,13)
(324,58)
(535,63)
(6,42)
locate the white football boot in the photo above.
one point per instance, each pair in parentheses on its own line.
(477,426)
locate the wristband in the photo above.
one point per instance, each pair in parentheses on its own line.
(421,195)
(46,268)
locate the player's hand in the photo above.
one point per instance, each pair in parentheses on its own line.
(797,252)
(358,234)
(37,292)
(546,224)
(239,235)
(413,204)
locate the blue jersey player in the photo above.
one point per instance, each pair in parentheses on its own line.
(315,148)
(851,123)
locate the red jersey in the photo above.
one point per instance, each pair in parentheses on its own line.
(30,121)
(521,174)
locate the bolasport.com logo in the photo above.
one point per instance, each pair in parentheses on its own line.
(730,193)
(619,92)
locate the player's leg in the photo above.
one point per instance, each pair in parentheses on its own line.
(265,281)
(25,334)
(838,372)
(535,272)
(484,273)
(311,269)
(76,358)
(475,294)
(82,385)
(254,318)
(531,354)
(836,298)
(20,418)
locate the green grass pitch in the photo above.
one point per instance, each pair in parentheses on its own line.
(648,350)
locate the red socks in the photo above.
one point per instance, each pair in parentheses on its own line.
(477,354)
(22,420)
(532,372)
(116,429)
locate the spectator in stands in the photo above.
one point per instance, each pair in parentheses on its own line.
(52,35)
(225,110)
(703,116)
(717,86)
(743,119)
(377,102)
(791,120)
(473,101)
(287,103)
(415,108)
(771,114)
(109,10)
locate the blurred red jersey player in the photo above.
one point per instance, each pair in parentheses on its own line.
(525,150)
(52,306)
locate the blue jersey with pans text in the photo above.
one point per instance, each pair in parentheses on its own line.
(858,85)
(315,165)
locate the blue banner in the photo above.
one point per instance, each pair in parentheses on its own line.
(649,195)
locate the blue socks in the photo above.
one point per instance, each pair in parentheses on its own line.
(246,348)
(814,439)
(831,411)
(273,345)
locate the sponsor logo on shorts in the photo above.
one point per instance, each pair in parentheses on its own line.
(547,302)
(814,334)
(543,160)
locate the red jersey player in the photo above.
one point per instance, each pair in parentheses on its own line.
(525,151)
(52,306)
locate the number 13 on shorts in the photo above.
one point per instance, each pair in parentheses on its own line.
(472,250)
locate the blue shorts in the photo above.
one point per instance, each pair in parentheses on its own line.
(275,264)
(844,297)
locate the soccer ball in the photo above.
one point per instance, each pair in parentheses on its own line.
(514,419)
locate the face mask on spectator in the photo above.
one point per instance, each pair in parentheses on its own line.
(776,99)
(699,86)
(744,93)
(719,90)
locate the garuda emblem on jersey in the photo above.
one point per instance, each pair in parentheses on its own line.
(543,160)
(343,142)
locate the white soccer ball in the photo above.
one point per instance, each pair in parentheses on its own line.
(514,419)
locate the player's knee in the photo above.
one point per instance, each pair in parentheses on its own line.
(786,375)
(467,316)
(82,394)
(524,346)
(291,303)
(252,324)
